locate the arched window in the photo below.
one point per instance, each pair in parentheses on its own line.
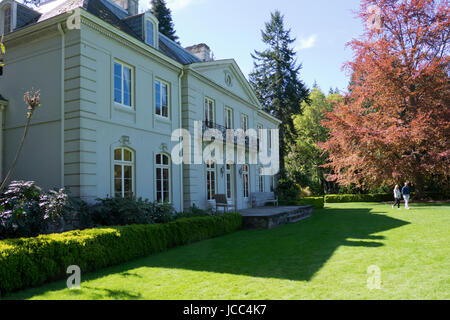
(123,173)
(210,180)
(7,16)
(163,189)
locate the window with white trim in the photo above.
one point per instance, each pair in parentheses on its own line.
(162,98)
(209,112)
(7,19)
(149,33)
(269,139)
(245,180)
(260,180)
(123,84)
(272,184)
(123,173)
(163,188)
(210,180)
(244,122)
(259,134)
(228,118)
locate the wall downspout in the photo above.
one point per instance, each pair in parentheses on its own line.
(180,123)
(63,59)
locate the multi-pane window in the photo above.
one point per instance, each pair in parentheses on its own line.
(261,180)
(149,33)
(123,84)
(163,178)
(259,134)
(228,118)
(162,98)
(209,112)
(269,139)
(7,19)
(245,180)
(123,173)
(210,179)
(244,122)
(229,178)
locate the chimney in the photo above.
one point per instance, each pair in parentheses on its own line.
(201,51)
(132,6)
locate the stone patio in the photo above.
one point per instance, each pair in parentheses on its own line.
(272,217)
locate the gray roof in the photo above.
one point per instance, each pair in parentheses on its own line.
(116,17)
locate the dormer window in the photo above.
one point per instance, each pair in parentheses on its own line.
(150,27)
(7,19)
(149,33)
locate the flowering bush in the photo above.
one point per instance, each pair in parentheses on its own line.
(27,211)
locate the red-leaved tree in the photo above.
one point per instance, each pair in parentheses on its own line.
(393,125)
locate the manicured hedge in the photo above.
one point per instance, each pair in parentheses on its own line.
(376,197)
(317,202)
(379,197)
(27,262)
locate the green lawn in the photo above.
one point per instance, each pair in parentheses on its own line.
(324,257)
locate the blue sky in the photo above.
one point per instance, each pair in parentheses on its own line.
(232,29)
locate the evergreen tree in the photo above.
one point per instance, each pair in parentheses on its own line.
(164,16)
(275,79)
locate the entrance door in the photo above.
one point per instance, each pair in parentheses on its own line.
(229,183)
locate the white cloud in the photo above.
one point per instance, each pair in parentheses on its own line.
(307,43)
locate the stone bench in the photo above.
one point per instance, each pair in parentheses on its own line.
(259,199)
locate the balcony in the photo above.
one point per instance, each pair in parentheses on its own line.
(207,125)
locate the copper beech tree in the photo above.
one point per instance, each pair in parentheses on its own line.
(393,125)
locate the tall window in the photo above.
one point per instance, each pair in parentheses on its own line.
(272,184)
(163,193)
(162,98)
(123,84)
(245,180)
(229,182)
(149,33)
(210,179)
(261,180)
(7,19)
(209,112)
(228,118)
(269,139)
(259,133)
(244,122)
(123,173)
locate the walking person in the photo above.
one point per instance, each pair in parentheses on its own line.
(397,196)
(406,191)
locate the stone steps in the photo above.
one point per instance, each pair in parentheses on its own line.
(272,217)
(299,216)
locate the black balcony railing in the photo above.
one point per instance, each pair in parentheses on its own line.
(207,125)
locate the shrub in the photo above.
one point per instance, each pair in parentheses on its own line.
(26,211)
(317,202)
(126,211)
(341,198)
(193,212)
(29,262)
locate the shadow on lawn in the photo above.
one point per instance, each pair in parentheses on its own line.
(292,252)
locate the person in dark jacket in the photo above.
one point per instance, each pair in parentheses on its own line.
(406,192)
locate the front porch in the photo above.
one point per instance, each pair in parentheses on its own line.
(272,217)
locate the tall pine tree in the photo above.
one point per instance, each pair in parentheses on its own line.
(164,16)
(275,79)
